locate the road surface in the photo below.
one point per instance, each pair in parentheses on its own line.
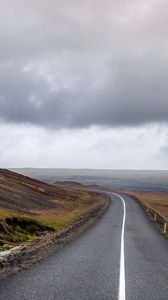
(117,258)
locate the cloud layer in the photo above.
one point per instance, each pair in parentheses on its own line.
(74,65)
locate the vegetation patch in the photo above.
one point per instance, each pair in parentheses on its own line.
(17,230)
(30,208)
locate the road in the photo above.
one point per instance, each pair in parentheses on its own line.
(114,259)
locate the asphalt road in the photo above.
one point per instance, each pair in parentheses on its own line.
(89,268)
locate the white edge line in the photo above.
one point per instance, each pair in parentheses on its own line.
(122,292)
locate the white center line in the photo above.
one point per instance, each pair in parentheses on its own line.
(122,293)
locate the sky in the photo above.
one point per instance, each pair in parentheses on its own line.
(84,84)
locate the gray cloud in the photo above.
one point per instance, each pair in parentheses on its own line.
(75,65)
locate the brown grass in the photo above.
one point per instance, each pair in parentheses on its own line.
(156,200)
(55,206)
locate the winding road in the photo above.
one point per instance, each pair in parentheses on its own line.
(123,257)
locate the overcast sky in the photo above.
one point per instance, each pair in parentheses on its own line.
(84,84)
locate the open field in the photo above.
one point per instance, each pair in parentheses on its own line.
(29,208)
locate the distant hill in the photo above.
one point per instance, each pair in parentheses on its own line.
(145,180)
(69,183)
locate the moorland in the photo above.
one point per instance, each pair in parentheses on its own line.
(30,208)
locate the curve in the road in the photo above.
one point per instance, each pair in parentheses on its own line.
(90,267)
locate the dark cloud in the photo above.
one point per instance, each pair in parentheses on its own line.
(135,92)
(75,65)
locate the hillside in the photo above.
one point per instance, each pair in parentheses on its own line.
(21,193)
(29,207)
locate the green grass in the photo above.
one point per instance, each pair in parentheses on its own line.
(18,230)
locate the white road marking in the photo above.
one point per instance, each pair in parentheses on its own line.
(122,293)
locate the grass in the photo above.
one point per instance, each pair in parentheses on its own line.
(28,207)
(16,230)
(156,200)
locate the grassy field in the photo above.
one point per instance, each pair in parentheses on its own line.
(29,208)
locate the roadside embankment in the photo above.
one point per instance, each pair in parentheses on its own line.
(46,244)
